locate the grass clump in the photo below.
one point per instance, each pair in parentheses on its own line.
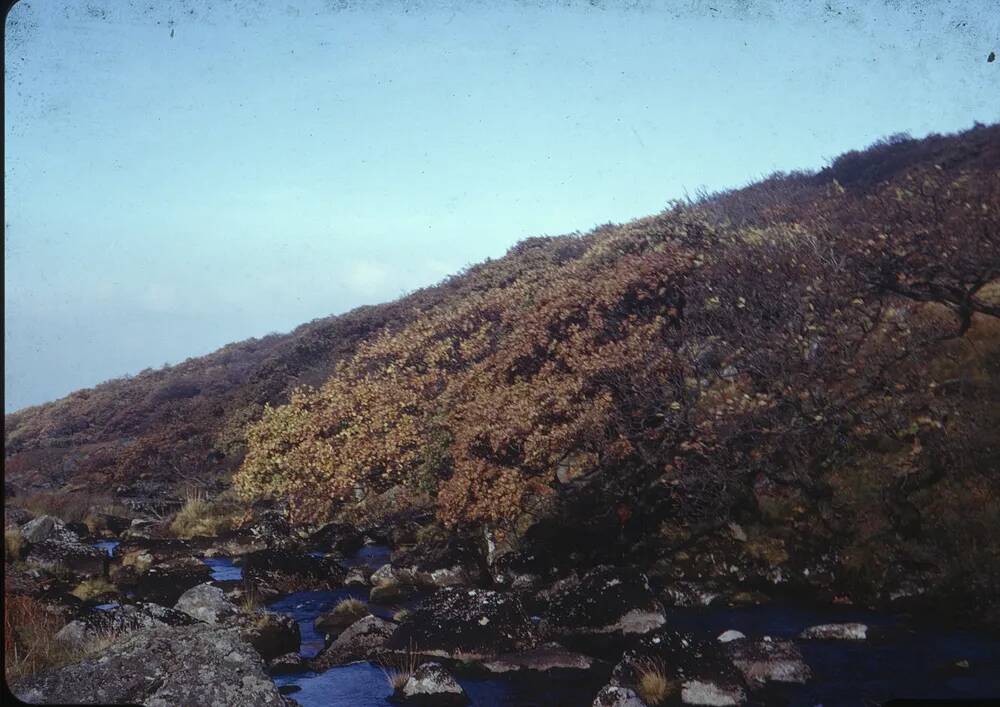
(353,608)
(72,506)
(206,518)
(652,683)
(399,667)
(401,615)
(13,544)
(29,639)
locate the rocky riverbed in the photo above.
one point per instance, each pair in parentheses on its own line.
(337,615)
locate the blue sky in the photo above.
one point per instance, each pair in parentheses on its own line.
(180,175)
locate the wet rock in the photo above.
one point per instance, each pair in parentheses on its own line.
(550,656)
(730,635)
(96,625)
(287,664)
(207,603)
(768,660)
(702,692)
(182,665)
(276,570)
(165,582)
(362,640)
(48,528)
(357,577)
(16,517)
(231,543)
(842,632)
(691,594)
(140,528)
(475,622)
(157,549)
(271,529)
(682,658)
(340,538)
(77,558)
(607,600)
(432,686)
(454,561)
(390,592)
(616,696)
(80,529)
(337,619)
(112,524)
(269,633)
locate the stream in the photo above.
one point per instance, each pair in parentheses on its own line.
(903,657)
(906,660)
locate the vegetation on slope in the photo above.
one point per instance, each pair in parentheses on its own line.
(816,354)
(679,347)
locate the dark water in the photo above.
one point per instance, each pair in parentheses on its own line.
(902,658)
(372,555)
(367,685)
(107,545)
(304,607)
(223,568)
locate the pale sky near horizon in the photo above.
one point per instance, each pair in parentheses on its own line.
(184,174)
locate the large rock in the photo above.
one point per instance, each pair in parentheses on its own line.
(474,622)
(96,625)
(768,660)
(162,667)
(432,686)
(606,600)
(207,603)
(362,640)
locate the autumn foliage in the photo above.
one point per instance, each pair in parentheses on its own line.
(719,340)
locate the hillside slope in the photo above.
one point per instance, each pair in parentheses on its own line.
(815,357)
